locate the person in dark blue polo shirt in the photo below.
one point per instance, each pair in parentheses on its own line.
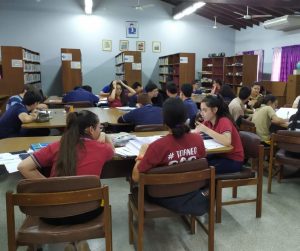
(132,98)
(186,91)
(146,114)
(172,90)
(12,119)
(81,93)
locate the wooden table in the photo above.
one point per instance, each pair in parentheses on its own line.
(58,120)
(117,167)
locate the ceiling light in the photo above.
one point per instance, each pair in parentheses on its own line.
(88,6)
(189,10)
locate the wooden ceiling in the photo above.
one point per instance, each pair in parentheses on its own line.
(224,10)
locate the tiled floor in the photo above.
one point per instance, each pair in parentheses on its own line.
(277,230)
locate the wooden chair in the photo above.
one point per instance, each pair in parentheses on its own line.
(81,104)
(288,143)
(55,198)
(248,176)
(150,128)
(247,125)
(165,182)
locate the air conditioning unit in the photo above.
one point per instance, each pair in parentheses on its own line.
(284,23)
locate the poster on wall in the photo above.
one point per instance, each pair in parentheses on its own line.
(66,57)
(132,29)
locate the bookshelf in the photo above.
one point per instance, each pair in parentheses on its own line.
(18,66)
(71,68)
(128,66)
(178,68)
(240,70)
(212,68)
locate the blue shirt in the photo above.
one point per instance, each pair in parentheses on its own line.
(191,109)
(10,124)
(106,89)
(145,115)
(132,100)
(13,100)
(80,95)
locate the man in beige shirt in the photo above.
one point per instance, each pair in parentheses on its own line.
(237,105)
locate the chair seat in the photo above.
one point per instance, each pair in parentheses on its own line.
(151,209)
(245,173)
(281,157)
(36,231)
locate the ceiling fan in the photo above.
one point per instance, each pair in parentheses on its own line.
(138,6)
(215,26)
(248,16)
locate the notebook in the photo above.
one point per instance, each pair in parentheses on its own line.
(38,146)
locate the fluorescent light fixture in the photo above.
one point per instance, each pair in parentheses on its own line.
(189,10)
(88,6)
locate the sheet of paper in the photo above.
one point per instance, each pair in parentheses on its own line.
(211,144)
(285,113)
(128,58)
(126,108)
(66,57)
(136,66)
(184,60)
(16,63)
(75,65)
(11,161)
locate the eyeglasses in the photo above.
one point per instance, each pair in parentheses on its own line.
(101,127)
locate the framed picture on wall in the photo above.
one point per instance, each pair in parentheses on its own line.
(132,29)
(106,45)
(124,45)
(140,46)
(156,46)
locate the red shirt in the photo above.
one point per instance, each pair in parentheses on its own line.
(169,150)
(225,125)
(116,103)
(90,160)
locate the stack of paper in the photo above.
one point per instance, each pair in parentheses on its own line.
(211,144)
(11,161)
(126,108)
(285,113)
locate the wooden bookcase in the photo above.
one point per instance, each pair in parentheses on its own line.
(71,68)
(178,68)
(212,68)
(128,66)
(19,66)
(293,88)
(240,70)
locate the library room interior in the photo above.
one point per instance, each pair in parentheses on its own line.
(149,125)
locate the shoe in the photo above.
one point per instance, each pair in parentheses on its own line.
(82,246)
(70,247)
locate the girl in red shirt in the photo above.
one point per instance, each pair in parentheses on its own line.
(219,125)
(117,96)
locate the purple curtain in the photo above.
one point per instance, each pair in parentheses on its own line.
(290,55)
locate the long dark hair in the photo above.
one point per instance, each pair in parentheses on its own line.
(294,119)
(264,100)
(217,101)
(72,138)
(123,96)
(174,115)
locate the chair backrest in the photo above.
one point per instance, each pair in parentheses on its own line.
(81,104)
(251,143)
(53,187)
(150,128)
(287,140)
(246,125)
(176,179)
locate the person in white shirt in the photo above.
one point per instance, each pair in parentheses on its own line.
(296,101)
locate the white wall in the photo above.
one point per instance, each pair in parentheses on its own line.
(48,25)
(259,38)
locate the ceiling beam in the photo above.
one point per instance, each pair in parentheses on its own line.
(273,3)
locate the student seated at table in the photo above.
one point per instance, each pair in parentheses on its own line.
(216,86)
(132,100)
(81,94)
(171,90)
(12,119)
(118,96)
(144,115)
(186,91)
(255,95)
(104,93)
(179,140)
(196,90)
(265,115)
(18,98)
(82,150)
(219,125)
(294,121)
(156,98)
(227,93)
(237,105)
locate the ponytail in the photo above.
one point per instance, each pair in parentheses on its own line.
(72,139)
(179,130)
